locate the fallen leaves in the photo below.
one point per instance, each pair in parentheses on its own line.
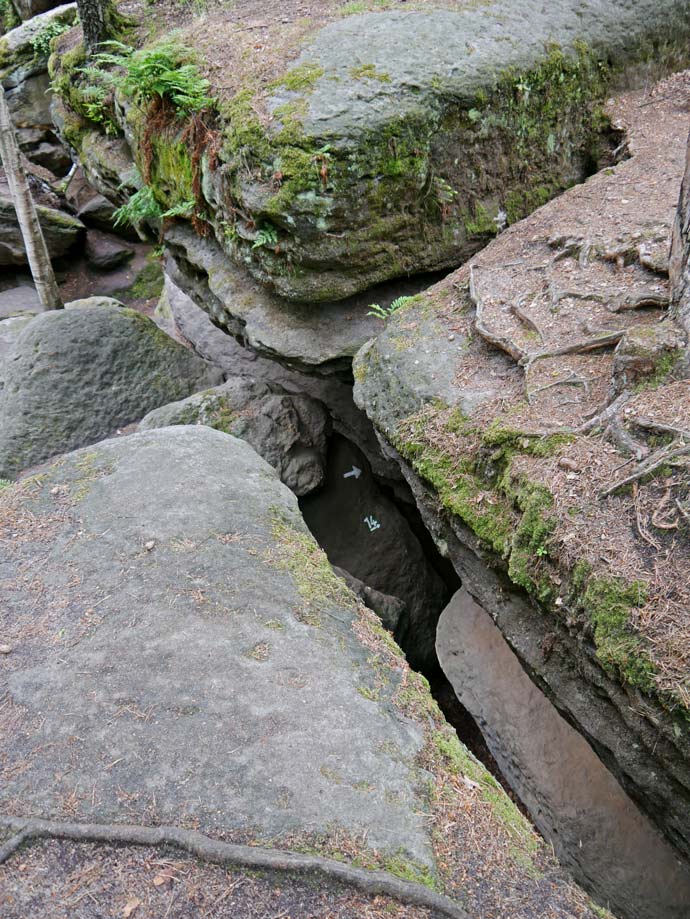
(130,907)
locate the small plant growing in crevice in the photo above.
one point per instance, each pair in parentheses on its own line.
(266,235)
(385,312)
(8,16)
(166,85)
(144,206)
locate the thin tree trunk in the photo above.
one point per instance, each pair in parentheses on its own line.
(680,257)
(93,15)
(35,244)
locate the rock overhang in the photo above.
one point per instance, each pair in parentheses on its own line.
(407,153)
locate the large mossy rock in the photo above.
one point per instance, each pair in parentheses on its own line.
(321,339)
(185,656)
(537,401)
(289,431)
(397,141)
(75,376)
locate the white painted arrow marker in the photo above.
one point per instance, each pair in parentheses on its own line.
(355,472)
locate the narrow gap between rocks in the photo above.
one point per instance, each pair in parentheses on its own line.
(388,564)
(374,536)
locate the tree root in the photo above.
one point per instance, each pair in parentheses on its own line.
(505,344)
(584,346)
(624,440)
(374,883)
(666,455)
(602,418)
(627,302)
(517,310)
(572,380)
(648,424)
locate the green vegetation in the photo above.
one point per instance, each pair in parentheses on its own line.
(514,517)
(266,235)
(369,72)
(530,540)
(147,284)
(608,604)
(299,78)
(385,312)
(481,223)
(169,97)
(459,761)
(43,40)
(8,16)
(163,72)
(662,372)
(141,206)
(511,515)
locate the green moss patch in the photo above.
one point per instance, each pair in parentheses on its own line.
(319,588)
(608,604)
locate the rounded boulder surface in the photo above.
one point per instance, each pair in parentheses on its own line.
(75,376)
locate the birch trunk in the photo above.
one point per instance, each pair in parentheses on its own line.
(680,257)
(36,249)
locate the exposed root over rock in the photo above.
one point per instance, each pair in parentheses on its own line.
(224,853)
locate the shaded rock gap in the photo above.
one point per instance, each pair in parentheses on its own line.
(324,512)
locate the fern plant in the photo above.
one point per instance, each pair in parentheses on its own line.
(165,71)
(144,206)
(267,235)
(141,206)
(385,312)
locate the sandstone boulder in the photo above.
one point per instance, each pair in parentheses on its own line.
(24,75)
(192,661)
(61,231)
(289,431)
(75,376)
(396,141)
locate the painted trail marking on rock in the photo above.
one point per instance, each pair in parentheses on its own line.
(355,472)
(372,523)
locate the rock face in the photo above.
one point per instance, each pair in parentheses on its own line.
(289,431)
(27,9)
(390,610)
(24,74)
(61,231)
(178,314)
(344,171)
(75,376)
(21,300)
(320,339)
(9,332)
(596,829)
(363,531)
(196,662)
(106,252)
(537,465)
